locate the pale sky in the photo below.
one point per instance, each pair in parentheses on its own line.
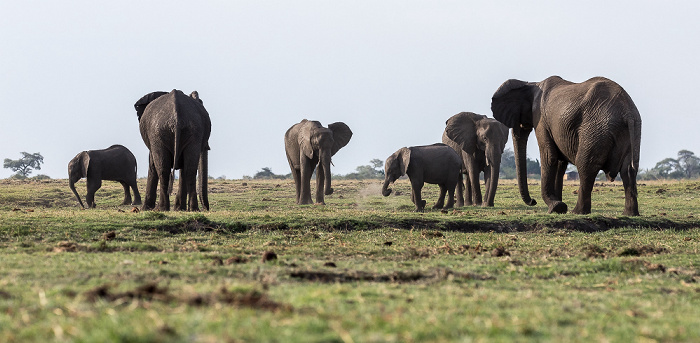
(394,71)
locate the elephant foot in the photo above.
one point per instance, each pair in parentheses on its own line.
(136,203)
(558,207)
(437,206)
(631,213)
(329,191)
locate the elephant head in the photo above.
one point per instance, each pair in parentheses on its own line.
(480,138)
(141,104)
(395,167)
(512,105)
(77,169)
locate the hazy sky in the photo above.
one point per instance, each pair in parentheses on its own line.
(394,71)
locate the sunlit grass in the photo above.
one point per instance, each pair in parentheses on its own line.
(362,268)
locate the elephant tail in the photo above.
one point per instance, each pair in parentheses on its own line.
(634,125)
(176,157)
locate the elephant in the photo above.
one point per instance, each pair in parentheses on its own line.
(480,142)
(593,125)
(176,129)
(115,163)
(435,164)
(310,146)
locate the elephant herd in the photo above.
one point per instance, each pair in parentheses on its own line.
(593,125)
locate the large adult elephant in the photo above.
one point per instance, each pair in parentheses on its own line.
(176,129)
(593,124)
(308,144)
(479,141)
(115,163)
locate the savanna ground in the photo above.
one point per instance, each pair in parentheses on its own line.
(363,268)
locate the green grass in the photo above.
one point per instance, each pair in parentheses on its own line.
(363,268)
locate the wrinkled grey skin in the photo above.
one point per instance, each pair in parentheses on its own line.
(480,142)
(115,163)
(593,124)
(176,129)
(436,164)
(309,145)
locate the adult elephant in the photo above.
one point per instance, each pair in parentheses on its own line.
(115,163)
(176,129)
(308,144)
(479,141)
(593,124)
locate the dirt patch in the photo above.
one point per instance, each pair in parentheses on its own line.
(395,277)
(153,292)
(644,250)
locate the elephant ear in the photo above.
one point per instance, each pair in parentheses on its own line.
(85,159)
(142,103)
(404,160)
(304,139)
(341,136)
(461,129)
(512,102)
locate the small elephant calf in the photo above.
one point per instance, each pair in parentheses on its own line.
(437,164)
(115,163)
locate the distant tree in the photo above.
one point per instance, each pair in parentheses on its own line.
(689,163)
(266,173)
(508,165)
(373,171)
(24,165)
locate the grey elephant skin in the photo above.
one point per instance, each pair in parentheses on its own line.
(115,163)
(480,142)
(176,129)
(435,164)
(592,124)
(310,146)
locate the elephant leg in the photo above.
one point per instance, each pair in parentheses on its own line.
(307,168)
(149,202)
(165,173)
(586,181)
(459,192)
(468,197)
(475,186)
(450,196)
(559,181)
(181,195)
(487,188)
(550,165)
(190,181)
(441,199)
(629,182)
(127,193)
(416,188)
(320,177)
(296,175)
(137,195)
(92,186)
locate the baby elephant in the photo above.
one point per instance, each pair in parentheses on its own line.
(115,163)
(437,164)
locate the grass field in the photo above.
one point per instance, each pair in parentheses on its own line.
(363,268)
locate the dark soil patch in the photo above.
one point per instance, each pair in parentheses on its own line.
(269,256)
(153,292)
(643,250)
(149,292)
(395,277)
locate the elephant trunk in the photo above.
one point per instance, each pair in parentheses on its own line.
(71,184)
(520,137)
(326,165)
(385,188)
(204,179)
(495,168)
